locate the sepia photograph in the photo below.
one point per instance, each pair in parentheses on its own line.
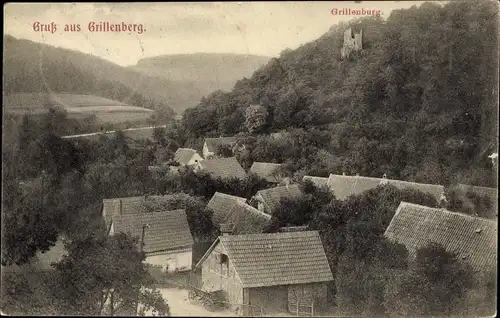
(250,159)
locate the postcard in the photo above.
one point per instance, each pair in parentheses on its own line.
(308,159)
